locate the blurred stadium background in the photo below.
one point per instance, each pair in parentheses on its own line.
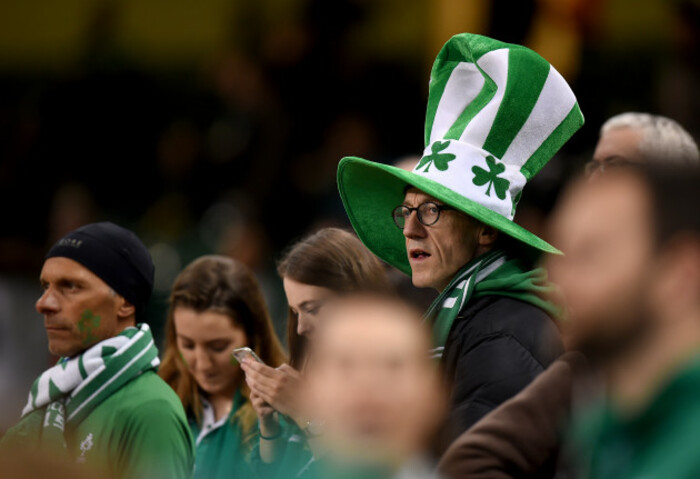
(216,126)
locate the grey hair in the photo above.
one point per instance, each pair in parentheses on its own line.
(662,138)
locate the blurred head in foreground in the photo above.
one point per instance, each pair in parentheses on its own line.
(372,382)
(631,274)
(631,279)
(642,138)
(19,463)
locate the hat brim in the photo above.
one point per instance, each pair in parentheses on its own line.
(370,191)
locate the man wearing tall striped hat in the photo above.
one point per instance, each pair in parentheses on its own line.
(496,114)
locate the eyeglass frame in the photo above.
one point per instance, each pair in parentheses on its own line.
(609,162)
(440,209)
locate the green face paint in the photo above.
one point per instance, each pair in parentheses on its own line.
(87,325)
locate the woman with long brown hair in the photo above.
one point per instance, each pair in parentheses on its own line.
(216,305)
(320,267)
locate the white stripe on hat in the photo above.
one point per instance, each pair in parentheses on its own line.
(553,105)
(458,177)
(495,65)
(462,87)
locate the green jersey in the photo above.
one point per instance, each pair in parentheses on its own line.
(658,443)
(221,448)
(139,432)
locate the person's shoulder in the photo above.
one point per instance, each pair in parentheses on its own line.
(492,317)
(144,409)
(144,396)
(150,386)
(493,314)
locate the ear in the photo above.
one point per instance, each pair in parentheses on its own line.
(679,273)
(125,309)
(486,235)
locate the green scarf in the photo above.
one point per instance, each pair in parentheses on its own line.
(66,393)
(491,274)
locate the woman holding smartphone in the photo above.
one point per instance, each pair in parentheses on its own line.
(320,267)
(216,306)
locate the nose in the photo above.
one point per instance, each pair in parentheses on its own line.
(47,303)
(304,327)
(201,359)
(414,228)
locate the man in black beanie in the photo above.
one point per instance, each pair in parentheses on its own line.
(103,403)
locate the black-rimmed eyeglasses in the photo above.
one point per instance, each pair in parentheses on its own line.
(428,213)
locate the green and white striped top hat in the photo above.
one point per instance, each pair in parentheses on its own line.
(497,113)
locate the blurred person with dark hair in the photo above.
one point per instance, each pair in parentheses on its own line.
(216,306)
(522,438)
(376,391)
(631,278)
(315,270)
(103,403)
(496,114)
(642,138)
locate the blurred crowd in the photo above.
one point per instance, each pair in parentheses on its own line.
(217,187)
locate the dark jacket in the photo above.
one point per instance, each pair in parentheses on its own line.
(496,347)
(522,437)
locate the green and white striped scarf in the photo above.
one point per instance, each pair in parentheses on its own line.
(66,393)
(489,274)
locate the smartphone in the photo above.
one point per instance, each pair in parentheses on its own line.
(241,353)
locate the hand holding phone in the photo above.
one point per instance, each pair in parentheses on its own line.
(239,354)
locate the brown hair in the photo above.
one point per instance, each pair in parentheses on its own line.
(221,284)
(330,258)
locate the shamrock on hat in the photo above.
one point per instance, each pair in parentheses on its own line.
(496,114)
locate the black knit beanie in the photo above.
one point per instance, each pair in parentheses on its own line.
(116,255)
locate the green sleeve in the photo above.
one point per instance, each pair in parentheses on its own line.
(25,434)
(155,442)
